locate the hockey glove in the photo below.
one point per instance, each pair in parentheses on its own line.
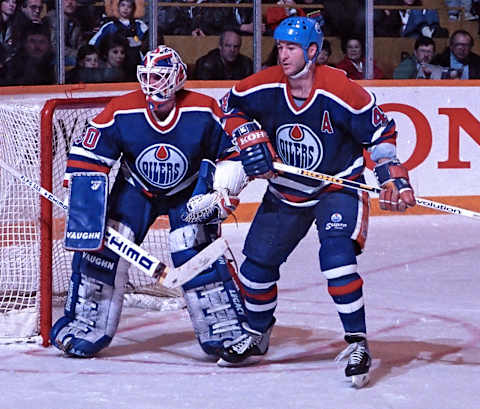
(256,151)
(396,194)
(213,207)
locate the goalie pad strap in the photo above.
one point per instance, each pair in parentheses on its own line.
(86,220)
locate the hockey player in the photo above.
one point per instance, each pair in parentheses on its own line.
(315,118)
(168,140)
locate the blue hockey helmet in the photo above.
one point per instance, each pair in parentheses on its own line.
(300,30)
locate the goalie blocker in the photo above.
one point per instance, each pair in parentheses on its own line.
(87,212)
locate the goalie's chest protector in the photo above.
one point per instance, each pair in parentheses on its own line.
(318,135)
(163,155)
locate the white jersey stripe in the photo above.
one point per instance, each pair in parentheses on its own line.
(260,307)
(351,307)
(340,271)
(255,286)
(76,150)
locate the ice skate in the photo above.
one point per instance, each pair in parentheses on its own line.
(359,360)
(247,349)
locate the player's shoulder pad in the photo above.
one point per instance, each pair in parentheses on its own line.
(266,78)
(128,103)
(335,84)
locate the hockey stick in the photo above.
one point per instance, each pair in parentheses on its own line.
(134,254)
(367,188)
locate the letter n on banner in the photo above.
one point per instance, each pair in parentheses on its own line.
(458,117)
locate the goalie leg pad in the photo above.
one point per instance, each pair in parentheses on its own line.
(87,211)
(94,303)
(215,307)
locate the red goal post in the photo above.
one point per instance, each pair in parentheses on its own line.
(34,267)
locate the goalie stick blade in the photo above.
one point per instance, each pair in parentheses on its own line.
(172,278)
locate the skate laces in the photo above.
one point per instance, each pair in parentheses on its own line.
(244,341)
(355,353)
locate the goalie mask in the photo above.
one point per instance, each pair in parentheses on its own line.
(303,31)
(161,74)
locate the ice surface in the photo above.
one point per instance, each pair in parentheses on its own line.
(421,289)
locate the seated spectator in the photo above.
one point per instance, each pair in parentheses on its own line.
(224,62)
(34,62)
(458,59)
(455,6)
(416,22)
(30,13)
(354,62)
(111,8)
(418,65)
(325,53)
(73,31)
(7,44)
(87,67)
(113,51)
(286,9)
(133,30)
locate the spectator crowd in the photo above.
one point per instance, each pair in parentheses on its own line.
(105,44)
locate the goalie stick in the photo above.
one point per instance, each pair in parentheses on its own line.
(134,254)
(373,189)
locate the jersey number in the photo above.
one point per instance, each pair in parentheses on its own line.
(378,117)
(91,138)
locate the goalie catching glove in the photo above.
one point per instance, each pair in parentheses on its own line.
(215,206)
(396,194)
(211,207)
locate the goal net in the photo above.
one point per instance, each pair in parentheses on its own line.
(34,267)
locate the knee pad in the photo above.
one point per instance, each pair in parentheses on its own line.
(215,306)
(94,304)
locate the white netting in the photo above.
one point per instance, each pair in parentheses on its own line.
(20,225)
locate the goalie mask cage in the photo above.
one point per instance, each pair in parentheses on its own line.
(34,268)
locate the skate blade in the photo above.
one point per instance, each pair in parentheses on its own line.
(359,381)
(251,360)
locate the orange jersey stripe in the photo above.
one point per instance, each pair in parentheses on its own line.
(346,289)
(87,166)
(270,295)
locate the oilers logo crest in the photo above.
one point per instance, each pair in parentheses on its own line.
(298,146)
(162,165)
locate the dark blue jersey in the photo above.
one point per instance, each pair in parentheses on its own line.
(162,158)
(327,133)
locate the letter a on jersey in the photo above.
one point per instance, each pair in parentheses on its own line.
(326,124)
